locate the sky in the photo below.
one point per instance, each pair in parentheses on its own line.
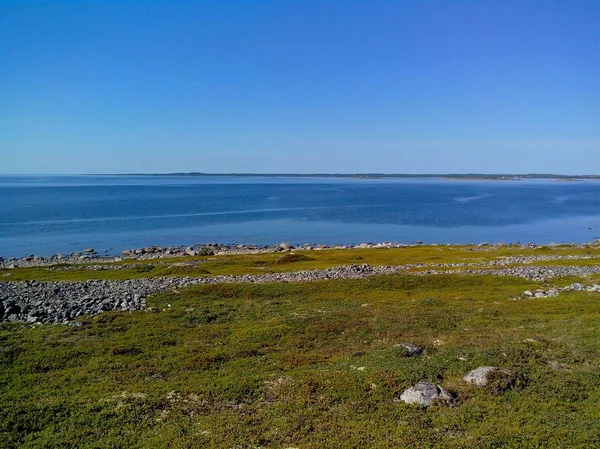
(308,86)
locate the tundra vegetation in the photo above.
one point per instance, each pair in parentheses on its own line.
(311,365)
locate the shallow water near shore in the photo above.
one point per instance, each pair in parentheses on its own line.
(44,215)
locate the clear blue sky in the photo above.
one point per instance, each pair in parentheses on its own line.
(413,86)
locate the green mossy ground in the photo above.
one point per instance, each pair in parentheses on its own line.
(309,365)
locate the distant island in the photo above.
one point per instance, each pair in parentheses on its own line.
(454,176)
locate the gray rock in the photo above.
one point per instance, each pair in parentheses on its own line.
(88,250)
(425,393)
(483,375)
(557,366)
(409,349)
(528,293)
(576,286)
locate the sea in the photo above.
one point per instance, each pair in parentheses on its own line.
(46,215)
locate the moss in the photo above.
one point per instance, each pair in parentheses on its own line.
(308,365)
(293,257)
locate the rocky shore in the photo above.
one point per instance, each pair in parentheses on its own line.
(89,255)
(63,302)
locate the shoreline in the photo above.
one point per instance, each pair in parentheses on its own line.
(154,252)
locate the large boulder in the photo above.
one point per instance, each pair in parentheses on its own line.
(425,394)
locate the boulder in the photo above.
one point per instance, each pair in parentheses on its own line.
(286,246)
(425,394)
(494,378)
(88,250)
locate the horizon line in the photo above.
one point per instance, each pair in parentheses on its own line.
(319,174)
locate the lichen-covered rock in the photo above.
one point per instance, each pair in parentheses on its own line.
(425,394)
(493,378)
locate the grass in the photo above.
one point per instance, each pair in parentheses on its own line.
(309,365)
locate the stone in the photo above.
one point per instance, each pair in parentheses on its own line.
(496,378)
(409,349)
(425,394)
(557,366)
(13,309)
(528,293)
(576,286)
(286,246)
(88,250)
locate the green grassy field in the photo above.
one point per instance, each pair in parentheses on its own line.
(310,365)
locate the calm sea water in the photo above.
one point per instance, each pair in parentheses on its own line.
(59,214)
